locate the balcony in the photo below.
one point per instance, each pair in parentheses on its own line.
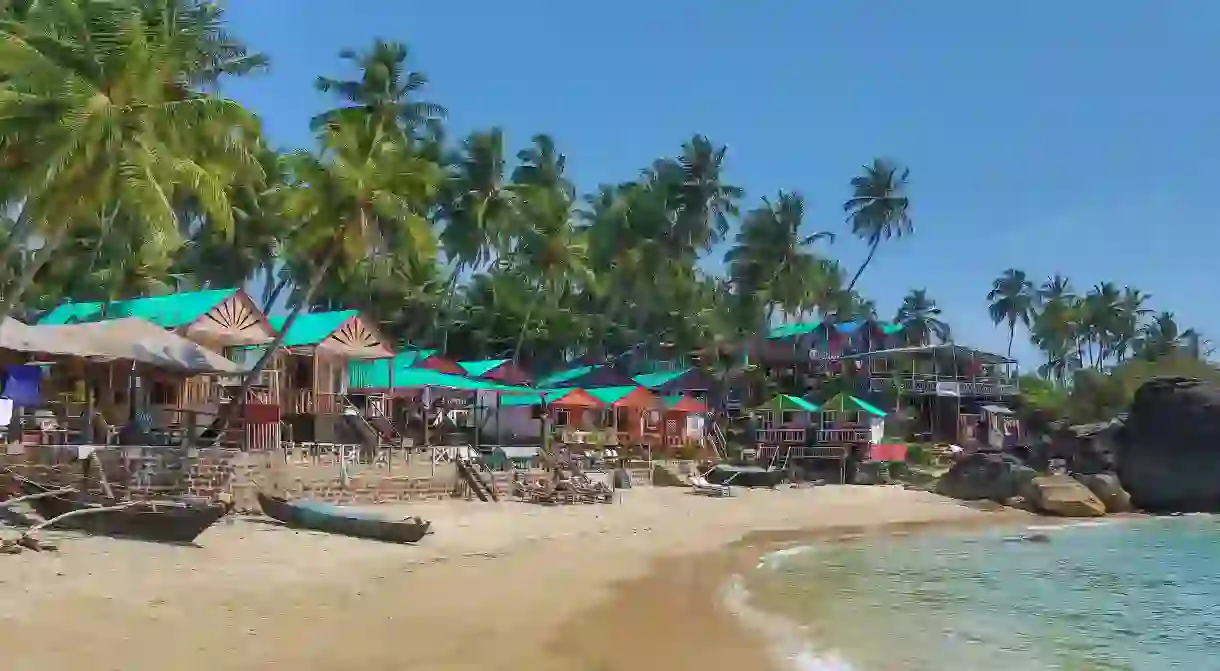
(841,436)
(946,386)
(780,436)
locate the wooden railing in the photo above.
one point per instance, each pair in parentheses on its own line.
(308,402)
(778,436)
(931,384)
(197,391)
(261,437)
(843,435)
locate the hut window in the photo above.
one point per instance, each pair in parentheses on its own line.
(163,393)
(789,417)
(652,420)
(562,417)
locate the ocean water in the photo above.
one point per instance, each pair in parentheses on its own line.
(1138,595)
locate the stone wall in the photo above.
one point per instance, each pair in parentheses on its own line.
(147,472)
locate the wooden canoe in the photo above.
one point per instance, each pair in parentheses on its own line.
(342,521)
(175,522)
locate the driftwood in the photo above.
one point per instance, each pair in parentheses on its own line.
(10,514)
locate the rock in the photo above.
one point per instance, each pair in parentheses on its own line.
(1019,503)
(1168,453)
(996,477)
(1107,487)
(1062,495)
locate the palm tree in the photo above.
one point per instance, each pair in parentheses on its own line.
(922,318)
(354,200)
(1012,300)
(877,209)
(548,250)
(383,96)
(102,103)
(477,208)
(770,257)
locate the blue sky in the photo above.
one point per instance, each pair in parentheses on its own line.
(1072,137)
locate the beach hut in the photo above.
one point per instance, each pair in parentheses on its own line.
(849,419)
(225,321)
(518,417)
(685,419)
(784,420)
(1002,428)
(634,413)
(318,349)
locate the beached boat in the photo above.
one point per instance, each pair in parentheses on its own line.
(164,522)
(343,521)
(745,476)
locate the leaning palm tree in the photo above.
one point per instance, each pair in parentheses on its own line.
(1012,301)
(877,209)
(922,318)
(105,113)
(354,199)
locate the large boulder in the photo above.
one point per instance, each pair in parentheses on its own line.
(1168,453)
(997,477)
(1108,488)
(1062,495)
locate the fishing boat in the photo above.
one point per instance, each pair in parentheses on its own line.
(159,521)
(343,521)
(745,476)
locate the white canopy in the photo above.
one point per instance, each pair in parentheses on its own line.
(129,339)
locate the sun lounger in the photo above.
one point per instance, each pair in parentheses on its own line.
(700,485)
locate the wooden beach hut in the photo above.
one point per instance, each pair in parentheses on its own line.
(634,413)
(225,321)
(784,420)
(317,351)
(847,419)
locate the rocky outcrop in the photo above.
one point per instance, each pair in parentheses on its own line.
(1168,454)
(997,477)
(1063,496)
(1107,488)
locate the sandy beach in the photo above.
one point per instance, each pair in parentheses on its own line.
(498,586)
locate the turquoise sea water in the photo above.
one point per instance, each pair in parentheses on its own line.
(1139,595)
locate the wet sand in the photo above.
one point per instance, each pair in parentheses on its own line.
(499,586)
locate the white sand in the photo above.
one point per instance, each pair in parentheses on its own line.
(486,591)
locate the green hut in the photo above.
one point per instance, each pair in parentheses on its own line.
(847,418)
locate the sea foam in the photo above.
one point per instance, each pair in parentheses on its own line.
(786,640)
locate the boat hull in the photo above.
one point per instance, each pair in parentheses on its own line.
(147,522)
(337,521)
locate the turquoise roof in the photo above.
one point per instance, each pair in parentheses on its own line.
(376,374)
(172,311)
(313,327)
(790,330)
(538,398)
(658,380)
(566,375)
(479,368)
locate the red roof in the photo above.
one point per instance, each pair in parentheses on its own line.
(441,364)
(577,398)
(687,404)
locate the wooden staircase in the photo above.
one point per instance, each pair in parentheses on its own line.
(470,471)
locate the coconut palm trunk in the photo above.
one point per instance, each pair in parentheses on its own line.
(49,246)
(868,259)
